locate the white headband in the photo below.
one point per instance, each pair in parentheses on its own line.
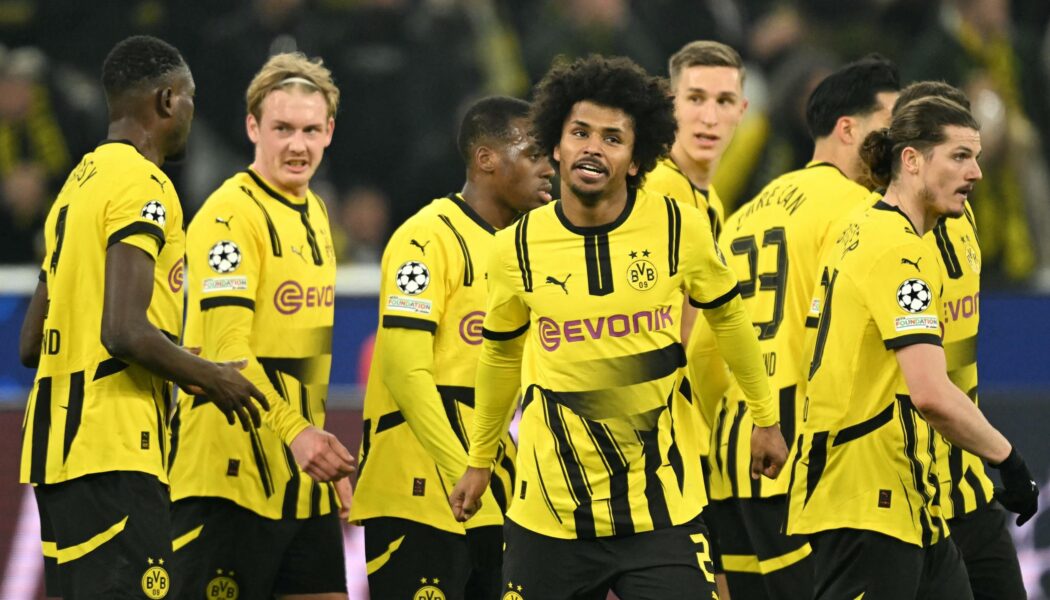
(299,80)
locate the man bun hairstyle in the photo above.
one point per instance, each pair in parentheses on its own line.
(136,61)
(291,70)
(489,119)
(919,124)
(614,82)
(851,91)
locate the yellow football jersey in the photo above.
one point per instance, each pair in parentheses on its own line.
(773,244)
(965,486)
(666,179)
(271,257)
(89,412)
(433,279)
(608,439)
(865,457)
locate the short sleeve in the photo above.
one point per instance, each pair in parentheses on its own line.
(506,315)
(902,292)
(416,276)
(224,253)
(707,279)
(139,216)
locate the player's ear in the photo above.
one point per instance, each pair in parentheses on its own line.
(633,169)
(164,99)
(845,129)
(911,159)
(485,159)
(252,126)
(330,132)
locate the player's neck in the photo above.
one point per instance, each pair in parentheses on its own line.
(489,208)
(911,203)
(132,130)
(299,193)
(826,150)
(698,173)
(592,212)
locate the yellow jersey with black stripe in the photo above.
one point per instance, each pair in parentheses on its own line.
(773,244)
(89,412)
(608,440)
(269,258)
(965,486)
(667,179)
(864,457)
(432,279)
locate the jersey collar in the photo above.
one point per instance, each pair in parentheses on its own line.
(881,205)
(470,212)
(824,163)
(674,167)
(598,229)
(278,196)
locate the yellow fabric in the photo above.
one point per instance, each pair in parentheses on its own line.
(749,563)
(271,302)
(85,413)
(608,435)
(64,555)
(956,246)
(181,541)
(774,244)
(377,563)
(419,401)
(865,457)
(740,349)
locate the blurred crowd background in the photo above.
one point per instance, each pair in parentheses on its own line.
(408,67)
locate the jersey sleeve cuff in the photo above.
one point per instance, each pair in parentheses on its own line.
(216,302)
(764,412)
(392,321)
(719,301)
(912,339)
(503,336)
(478,462)
(136,228)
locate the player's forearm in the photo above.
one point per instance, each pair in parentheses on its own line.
(498,380)
(707,371)
(32,334)
(407,360)
(951,412)
(739,347)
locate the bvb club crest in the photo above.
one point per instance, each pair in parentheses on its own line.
(155,581)
(223,587)
(428,591)
(641,274)
(513,592)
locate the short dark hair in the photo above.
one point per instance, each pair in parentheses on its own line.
(489,119)
(137,60)
(922,89)
(617,83)
(919,124)
(852,90)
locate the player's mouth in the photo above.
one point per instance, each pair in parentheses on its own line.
(297,165)
(590,171)
(964,191)
(706,140)
(545,192)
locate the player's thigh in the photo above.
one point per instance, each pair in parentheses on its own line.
(223,551)
(944,574)
(783,561)
(110,535)
(849,562)
(537,566)
(668,563)
(405,559)
(983,538)
(313,561)
(486,561)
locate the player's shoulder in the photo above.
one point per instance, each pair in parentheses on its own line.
(883,232)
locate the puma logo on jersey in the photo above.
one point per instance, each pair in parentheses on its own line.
(159,182)
(560,284)
(422,247)
(225,221)
(298,251)
(915,263)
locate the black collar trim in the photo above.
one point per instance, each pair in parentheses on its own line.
(881,205)
(470,212)
(278,196)
(597,229)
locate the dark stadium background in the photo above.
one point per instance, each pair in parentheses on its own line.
(406,69)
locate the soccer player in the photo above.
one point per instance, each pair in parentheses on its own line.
(252,513)
(773,243)
(102,328)
(420,399)
(864,480)
(978,523)
(604,498)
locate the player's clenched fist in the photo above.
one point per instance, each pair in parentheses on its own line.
(321,455)
(465,498)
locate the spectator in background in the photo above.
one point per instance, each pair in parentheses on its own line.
(364,223)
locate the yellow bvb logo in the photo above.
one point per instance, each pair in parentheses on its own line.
(223,587)
(641,275)
(155,581)
(513,596)
(428,592)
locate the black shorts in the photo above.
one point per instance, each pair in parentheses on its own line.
(405,559)
(106,536)
(759,560)
(849,563)
(988,550)
(666,564)
(223,550)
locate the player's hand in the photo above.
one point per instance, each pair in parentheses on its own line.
(465,498)
(227,389)
(768,451)
(346,497)
(321,455)
(189,388)
(1019,493)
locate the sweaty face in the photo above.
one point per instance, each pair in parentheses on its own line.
(708,104)
(950,171)
(595,152)
(183,91)
(290,138)
(864,125)
(524,171)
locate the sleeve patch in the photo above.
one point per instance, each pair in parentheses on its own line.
(412,278)
(225,284)
(224,257)
(416,306)
(918,322)
(914,295)
(154,211)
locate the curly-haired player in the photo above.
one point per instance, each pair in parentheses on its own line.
(608,478)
